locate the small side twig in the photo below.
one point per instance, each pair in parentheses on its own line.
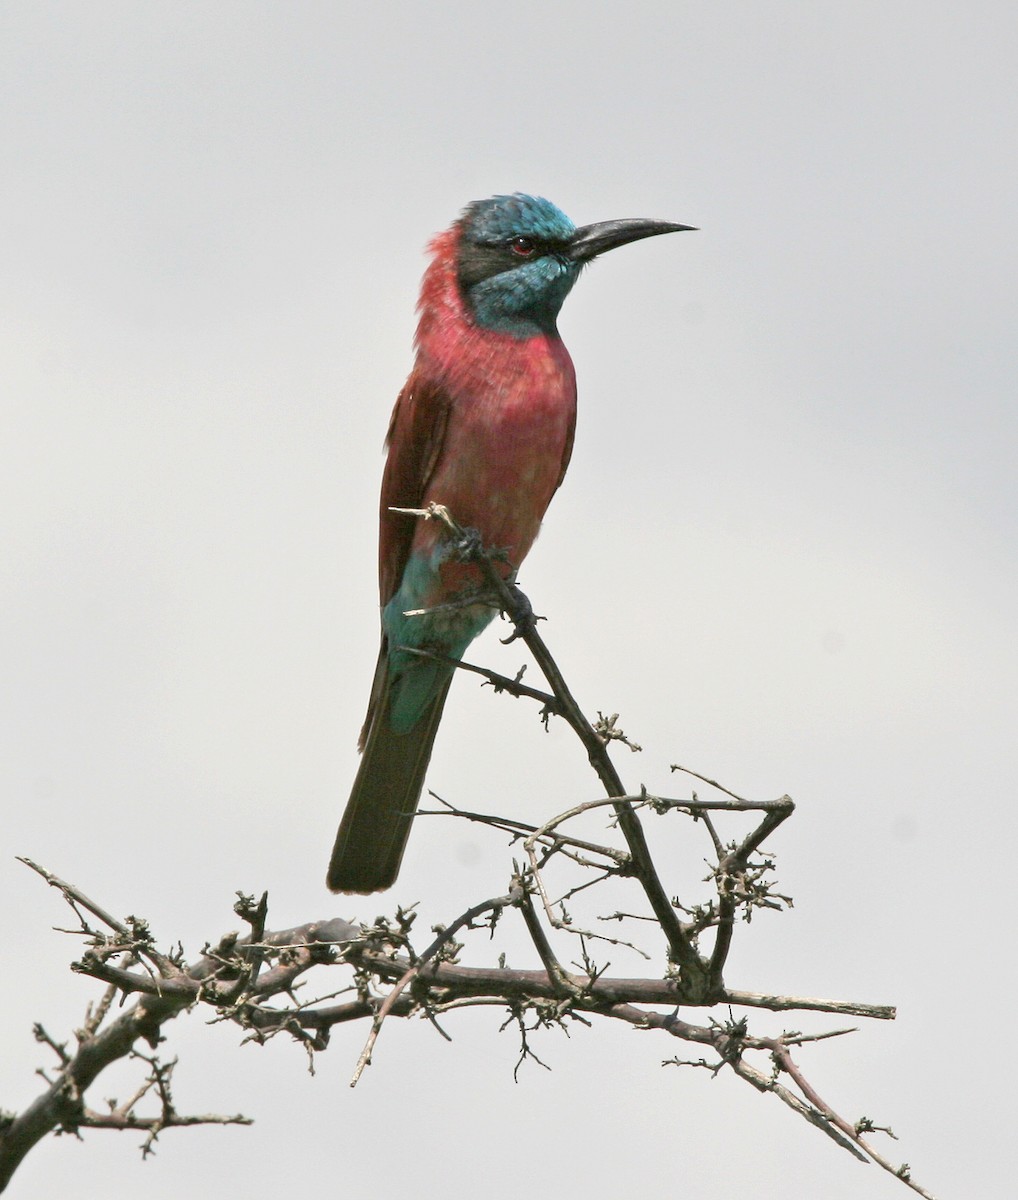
(444,937)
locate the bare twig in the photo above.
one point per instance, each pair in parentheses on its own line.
(501,683)
(445,936)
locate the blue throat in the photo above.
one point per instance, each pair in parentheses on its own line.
(526,301)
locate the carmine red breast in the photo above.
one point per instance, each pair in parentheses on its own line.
(511,418)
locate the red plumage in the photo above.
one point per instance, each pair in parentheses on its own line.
(483,425)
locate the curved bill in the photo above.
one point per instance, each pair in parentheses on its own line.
(591,240)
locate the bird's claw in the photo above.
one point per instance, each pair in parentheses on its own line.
(521,614)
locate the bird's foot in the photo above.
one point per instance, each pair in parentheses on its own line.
(466,545)
(521,614)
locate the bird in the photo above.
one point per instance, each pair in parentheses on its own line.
(484,426)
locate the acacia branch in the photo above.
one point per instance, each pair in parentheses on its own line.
(256,982)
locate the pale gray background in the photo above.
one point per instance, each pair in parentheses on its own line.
(785,549)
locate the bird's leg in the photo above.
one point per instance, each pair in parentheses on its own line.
(521,613)
(466,545)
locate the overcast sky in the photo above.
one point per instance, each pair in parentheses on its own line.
(785,551)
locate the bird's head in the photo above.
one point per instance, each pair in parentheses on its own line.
(519,256)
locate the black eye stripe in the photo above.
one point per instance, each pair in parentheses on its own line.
(540,245)
(480,260)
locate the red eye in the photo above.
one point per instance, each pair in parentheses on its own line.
(523,246)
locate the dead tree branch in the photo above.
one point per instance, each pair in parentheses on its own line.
(565,879)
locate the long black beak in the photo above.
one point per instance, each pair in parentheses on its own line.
(591,240)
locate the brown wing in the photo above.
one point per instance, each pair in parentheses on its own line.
(416,433)
(415,437)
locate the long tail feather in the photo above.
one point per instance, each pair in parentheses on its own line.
(376,823)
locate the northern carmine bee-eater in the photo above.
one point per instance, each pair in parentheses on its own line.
(484,426)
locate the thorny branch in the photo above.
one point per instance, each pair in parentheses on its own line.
(517,607)
(253,981)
